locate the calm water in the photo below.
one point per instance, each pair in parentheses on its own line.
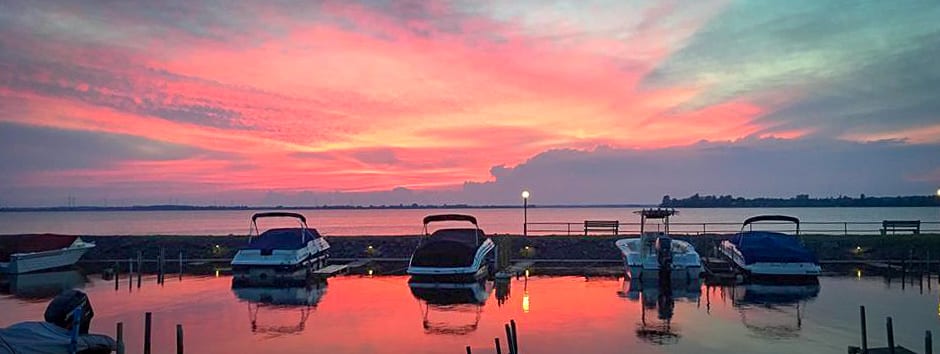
(361,314)
(399,222)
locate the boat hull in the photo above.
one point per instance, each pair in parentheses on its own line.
(776,272)
(686,265)
(38,261)
(445,275)
(247,274)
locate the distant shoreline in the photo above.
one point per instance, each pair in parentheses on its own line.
(425,207)
(329,207)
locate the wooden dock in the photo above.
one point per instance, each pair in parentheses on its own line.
(330,270)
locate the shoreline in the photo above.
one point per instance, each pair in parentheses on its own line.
(827,247)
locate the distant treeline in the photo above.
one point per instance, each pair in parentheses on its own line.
(316,207)
(800,201)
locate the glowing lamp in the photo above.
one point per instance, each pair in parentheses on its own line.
(525,194)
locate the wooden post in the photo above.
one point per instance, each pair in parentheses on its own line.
(130,274)
(509,339)
(890,328)
(179,339)
(864,324)
(140,267)
(515,336)
(928,343)
(181,264)
(147,322)
(499,350)
(468,350)
(117,276)
(120,338)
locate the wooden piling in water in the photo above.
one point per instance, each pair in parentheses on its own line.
(140,263)
(928,343)
(864,324)
(181,265)
(147,323)
(890,328)
(499,350)
(130,274)
(515,336)
(509,339)
(179,339)
(120,338)
(117,276)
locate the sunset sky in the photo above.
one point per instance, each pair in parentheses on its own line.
(387,102)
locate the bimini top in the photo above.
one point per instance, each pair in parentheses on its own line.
(771,247)
(279,214)
(283,239)
(449,217)
(657,213)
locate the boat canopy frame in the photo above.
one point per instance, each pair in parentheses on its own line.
(759,218)
(253,228)
(452,217)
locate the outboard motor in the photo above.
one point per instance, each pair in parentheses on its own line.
(664,253)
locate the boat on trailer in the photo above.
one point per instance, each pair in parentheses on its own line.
(770,255)
(279,255)
(655,254)
(451,254)
(32,253)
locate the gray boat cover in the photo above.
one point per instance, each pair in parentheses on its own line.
(47,338)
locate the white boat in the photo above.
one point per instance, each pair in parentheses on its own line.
(32,253)
(654,254)
(280,255)
(451,254)
(771,256)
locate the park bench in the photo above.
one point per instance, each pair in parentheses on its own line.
(601,225)
(902,225)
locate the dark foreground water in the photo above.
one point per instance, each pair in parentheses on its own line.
(362,314)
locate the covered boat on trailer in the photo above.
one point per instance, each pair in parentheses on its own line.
(451,254)
(279,255)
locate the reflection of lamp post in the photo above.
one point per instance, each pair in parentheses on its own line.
(525,213)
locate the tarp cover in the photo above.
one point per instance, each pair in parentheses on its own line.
(282,239)
(448,248)
(771,247)
(32,243)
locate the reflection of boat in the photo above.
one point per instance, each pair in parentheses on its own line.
(654,253)
(773,311)
(771,256)
(303,299)
(449,301)
(41,285)
(451,254)
(662,297)
(282,255)
(31,253)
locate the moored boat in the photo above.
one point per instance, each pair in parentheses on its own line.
(655,254)
(32,253)
(279,255)
(770,255)
(451,254)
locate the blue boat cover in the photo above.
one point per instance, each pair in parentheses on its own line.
(282,239)
(771,247)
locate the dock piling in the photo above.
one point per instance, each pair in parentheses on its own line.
(181,265)
(140,267)
(179,339)
(509,339)
(147,323)
(864,324)
(468,350)
(890,328)
(117,275)
(515,338)
(499,350)
(120,338)
(928,343)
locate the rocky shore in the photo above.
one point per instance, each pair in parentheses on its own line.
(827,247)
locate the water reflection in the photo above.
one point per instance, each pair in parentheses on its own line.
(276,303)
(450,308)
(773,311)
(41,286)
(662,297)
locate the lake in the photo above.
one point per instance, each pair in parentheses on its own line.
(383,314)
(408,221)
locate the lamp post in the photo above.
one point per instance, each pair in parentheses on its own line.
(525,213)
